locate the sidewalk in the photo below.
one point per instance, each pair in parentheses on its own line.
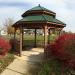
(24,64)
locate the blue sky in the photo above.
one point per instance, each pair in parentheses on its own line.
(65,10)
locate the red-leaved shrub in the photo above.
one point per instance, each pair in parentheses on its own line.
(4,46)
(64,49)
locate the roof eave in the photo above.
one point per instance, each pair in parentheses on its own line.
(38,22)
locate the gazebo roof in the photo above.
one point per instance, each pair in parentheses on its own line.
(41,18)
(39,9)
(38,15)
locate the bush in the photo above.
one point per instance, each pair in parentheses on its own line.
(4,46)
(64,49)
(15,45)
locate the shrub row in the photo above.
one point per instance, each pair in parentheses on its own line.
(4,46)
(64,49)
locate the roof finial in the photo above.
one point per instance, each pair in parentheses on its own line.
(39,5)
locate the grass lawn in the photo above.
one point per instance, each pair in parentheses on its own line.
(54,67)
(5,61)
(29,40)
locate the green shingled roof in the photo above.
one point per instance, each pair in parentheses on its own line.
(41,18)
(40,8)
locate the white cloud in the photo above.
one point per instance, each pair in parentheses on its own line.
(12,1)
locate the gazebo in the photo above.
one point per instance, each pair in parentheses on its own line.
(38,18)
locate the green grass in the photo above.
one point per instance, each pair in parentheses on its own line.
(39,37)
(5,61)
(49,67)
(54,67)
(29,40)
(31,37)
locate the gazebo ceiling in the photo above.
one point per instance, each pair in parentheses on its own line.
(39,15)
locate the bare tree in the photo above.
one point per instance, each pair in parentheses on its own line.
(8,25)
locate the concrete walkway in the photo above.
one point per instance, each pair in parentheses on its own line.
(26,63)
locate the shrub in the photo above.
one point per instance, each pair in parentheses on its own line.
(64,49)
(14,45)
(4,46)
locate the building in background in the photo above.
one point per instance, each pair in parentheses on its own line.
(3,32)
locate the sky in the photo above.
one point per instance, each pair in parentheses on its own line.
(64,9)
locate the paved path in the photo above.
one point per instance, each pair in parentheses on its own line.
(23,65)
